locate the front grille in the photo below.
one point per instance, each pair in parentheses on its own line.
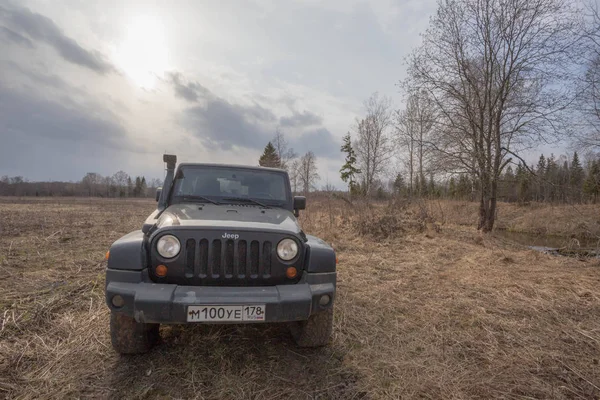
(209,259)
(228,259)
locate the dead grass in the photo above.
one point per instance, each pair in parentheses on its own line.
(426,308)
(580,220)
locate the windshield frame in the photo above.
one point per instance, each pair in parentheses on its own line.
(287,203)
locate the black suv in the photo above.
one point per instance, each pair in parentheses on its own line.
(223,246)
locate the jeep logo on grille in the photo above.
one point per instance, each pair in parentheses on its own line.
(233,236)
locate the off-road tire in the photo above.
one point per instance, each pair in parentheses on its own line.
(314,332)
(131,337)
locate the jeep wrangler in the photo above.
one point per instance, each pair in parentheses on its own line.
(223,246)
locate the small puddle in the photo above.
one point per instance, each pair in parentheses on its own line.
(557,245)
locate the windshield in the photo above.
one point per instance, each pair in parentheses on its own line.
(222,183)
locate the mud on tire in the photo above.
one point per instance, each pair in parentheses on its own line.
(314,332)
(131,337)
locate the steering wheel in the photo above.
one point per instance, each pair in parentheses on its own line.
(268,195)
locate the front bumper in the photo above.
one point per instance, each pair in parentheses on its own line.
(150,302)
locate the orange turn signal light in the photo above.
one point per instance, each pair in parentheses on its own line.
(291,272)
(161,271)
(107,255)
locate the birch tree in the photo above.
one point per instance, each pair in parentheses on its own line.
(308,175)
(413,130)
(373,145)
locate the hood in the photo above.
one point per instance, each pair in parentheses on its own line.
(242,217)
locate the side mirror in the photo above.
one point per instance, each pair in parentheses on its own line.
(158,192)
(299,202)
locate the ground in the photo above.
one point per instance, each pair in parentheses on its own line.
(426,308)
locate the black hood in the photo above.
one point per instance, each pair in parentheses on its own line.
(228,216)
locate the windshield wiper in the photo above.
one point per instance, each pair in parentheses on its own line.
(246,200)
(194,197)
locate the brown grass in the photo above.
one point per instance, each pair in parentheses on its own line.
(426,308)
(580,220)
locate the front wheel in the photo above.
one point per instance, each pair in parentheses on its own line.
(131,337)
(314,332)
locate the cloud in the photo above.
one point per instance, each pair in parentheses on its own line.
(189,91)
(320,141)
(26,113)
(37,77)
(226,125)
(10,35)
(303,119)
(222,125)
(219,123)
(41,28)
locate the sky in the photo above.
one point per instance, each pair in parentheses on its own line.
(112,85)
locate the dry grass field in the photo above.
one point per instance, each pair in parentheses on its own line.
(426,308)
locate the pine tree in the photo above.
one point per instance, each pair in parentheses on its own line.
(129,187)
(576,176)
(508,184)
(541,174)
(591,185)
(431,188)
(269,157)
(550,176)
(399,185)
(452,188)
(523,183)
(137,187)
(464,187)
(143,187)
(349,170)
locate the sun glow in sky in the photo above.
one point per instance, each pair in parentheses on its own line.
(143,54)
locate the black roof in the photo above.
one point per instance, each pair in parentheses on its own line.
(250,167)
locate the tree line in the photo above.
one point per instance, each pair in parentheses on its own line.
(491,80)
(552,180)
(92,184)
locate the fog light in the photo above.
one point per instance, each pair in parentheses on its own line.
(118,301)
(325,299)
(291,272)
(161,271)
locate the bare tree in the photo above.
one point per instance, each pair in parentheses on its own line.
(108,184)
(155,183)
(588,133)
(121,180)
(373,145)
(496,72)
(413,129)
(91,183)
(285,153)
(294,172)
(308,175)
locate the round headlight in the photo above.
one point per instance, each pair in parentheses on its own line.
(287,249)
(168,246)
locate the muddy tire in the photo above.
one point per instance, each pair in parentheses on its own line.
(131,337)
(314,332)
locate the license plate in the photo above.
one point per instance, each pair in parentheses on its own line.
(231,313)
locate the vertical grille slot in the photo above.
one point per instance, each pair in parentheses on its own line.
(190,256)
(242,258)
(229,249)
(203,258)
(216,258)
(266,259)
(254,258)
